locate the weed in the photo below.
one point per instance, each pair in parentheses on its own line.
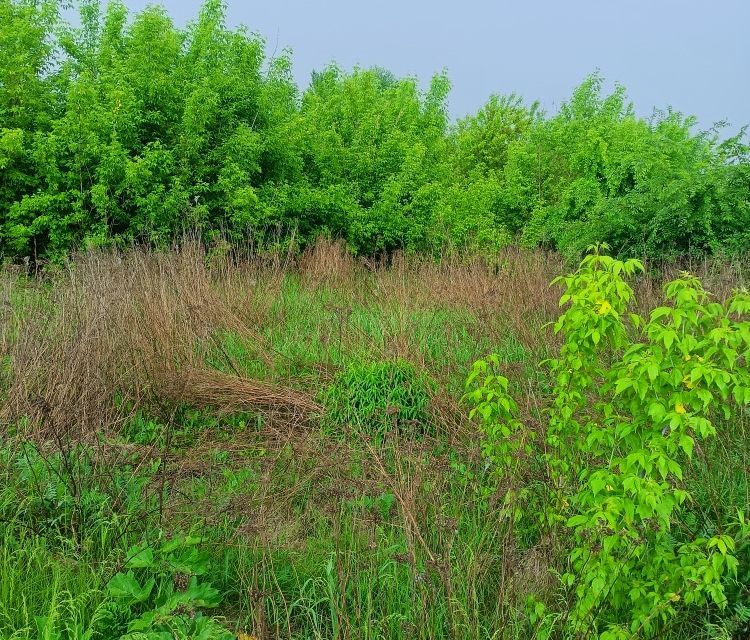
(380,396)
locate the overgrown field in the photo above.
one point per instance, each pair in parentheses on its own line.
(209,445)
(217,422)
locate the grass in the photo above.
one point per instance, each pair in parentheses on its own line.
(147,395)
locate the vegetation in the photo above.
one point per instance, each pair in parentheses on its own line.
(131,129)
(283,363)
(380,395)
(628,409)
(283,446)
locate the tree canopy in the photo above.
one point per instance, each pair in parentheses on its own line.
(130,129)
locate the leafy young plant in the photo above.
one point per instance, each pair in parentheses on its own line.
(380,396)
(162,591)
(506,440)
(632,399)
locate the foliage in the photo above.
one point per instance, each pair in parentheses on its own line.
(377,147)
(483,141)
(58,507)
(507,444)
(380,396)
(633,399)
(597,173)
(64,495)
(308,534)
(162,590)
(129,128)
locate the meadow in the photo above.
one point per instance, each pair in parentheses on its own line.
(215,444)
(325,362)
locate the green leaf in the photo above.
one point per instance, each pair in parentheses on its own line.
(125,586)
(140,557)
(202,595)
(577,521)
(687,444)
(622,384)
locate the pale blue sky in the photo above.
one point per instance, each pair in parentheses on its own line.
(691,54)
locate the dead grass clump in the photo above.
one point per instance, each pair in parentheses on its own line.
(64,365)
(128,330)
(509,294)
(328,262)
(720,277)
(204,387)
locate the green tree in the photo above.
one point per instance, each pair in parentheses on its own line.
(128,128)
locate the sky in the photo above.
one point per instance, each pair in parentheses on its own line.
(692,55)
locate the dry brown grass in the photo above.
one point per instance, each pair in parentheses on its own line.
(112,331)
(328,263)
(124,330)
(204,387)
(511,292)
(719,277)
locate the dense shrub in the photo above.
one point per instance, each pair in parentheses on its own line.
(132,129)
(595,172)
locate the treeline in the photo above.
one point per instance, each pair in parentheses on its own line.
(128,128)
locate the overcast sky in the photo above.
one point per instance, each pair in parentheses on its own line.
(690,54)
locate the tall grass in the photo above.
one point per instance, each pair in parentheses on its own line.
(188,391)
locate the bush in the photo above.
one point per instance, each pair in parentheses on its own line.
(128,130)
(380,396)
(633,399)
